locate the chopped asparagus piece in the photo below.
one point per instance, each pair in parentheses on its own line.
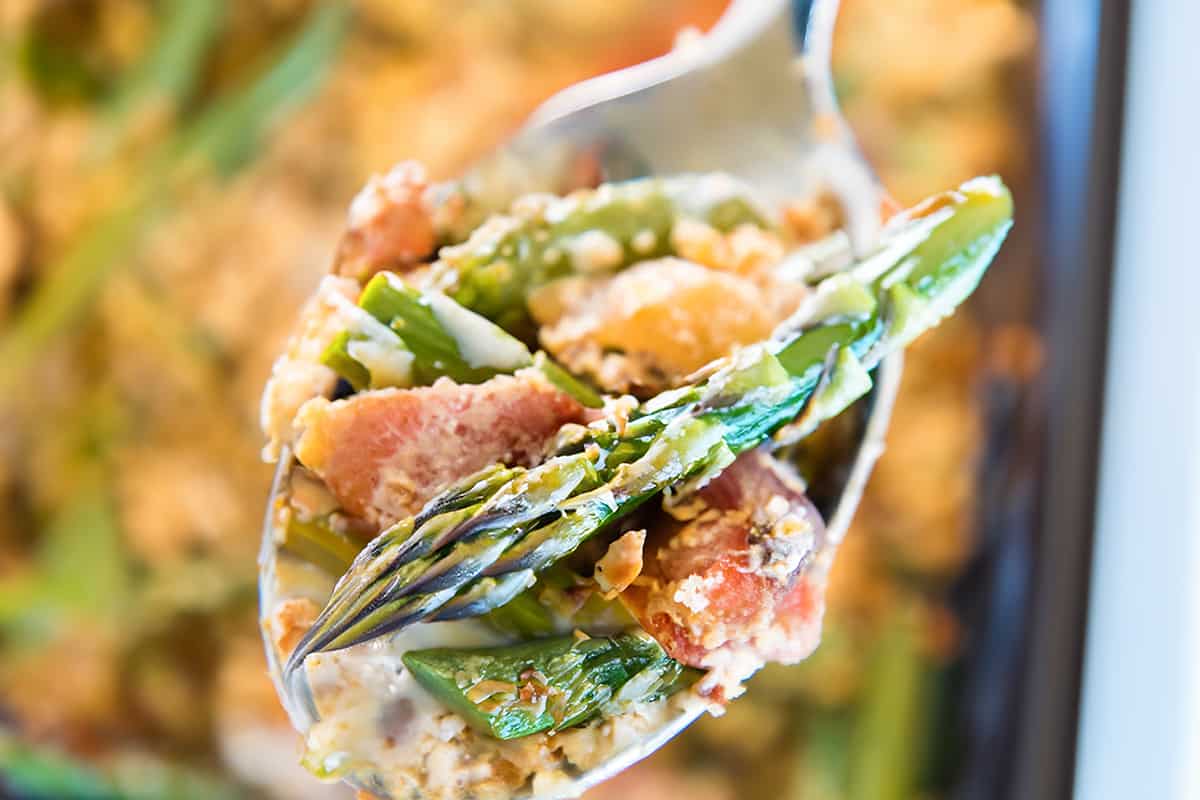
(316,542)
(559,602)
(437,337)
(549,684)
(592,231)
(337,357)
(435,342)
(445,338)
(585,395)
(523,616)
(545,513)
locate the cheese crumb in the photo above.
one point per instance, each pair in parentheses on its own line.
(693,592)
(644,242)
(595,251)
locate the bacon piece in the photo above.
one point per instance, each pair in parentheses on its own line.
(732,586)
(390,226)
(385,453)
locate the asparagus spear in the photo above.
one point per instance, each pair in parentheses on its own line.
(318,543)
(441,338)
(816,364)
(444,338)
(549,684)
(598,230)
(524,616)
(554,605)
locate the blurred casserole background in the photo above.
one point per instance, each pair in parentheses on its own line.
(173,179)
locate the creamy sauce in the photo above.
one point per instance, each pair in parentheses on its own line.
(481,343)
(379,729)
(389,365)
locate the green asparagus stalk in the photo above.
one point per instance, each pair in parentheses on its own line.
(229,133)
(524,616)
(316,542)
(816,364)
(338,358)
(592,231)
(566,382)
(554,605)
(443,338)
(440,338)
(549,684)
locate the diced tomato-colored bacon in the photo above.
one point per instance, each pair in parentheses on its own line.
(383,454)
(391,224)
(736,579)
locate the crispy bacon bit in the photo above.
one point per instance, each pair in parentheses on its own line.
(731,588)
(384,453)
(621,564)
(390,226)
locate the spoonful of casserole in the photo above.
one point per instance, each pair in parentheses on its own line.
(547,485)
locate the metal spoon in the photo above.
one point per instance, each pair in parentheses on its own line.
(752,98)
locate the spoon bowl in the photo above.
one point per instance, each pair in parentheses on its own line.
(754,99)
